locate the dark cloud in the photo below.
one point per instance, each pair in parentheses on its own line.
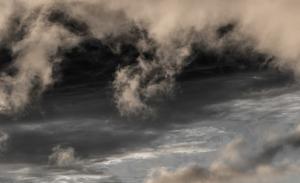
(161,50)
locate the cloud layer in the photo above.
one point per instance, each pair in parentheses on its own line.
(243,161)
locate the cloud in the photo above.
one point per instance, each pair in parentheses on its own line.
(242,161)
(63,157)
(172,26)
(32,60)
(136,85)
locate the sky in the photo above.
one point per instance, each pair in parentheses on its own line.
(147,52)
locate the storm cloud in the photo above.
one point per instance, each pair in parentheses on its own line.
(36,37)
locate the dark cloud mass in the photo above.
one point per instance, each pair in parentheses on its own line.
(143,46)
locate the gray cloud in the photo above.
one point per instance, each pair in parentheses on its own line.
(63,157)
(173,25)
(242,161)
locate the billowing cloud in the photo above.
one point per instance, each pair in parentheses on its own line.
(63,157)
(172,26)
